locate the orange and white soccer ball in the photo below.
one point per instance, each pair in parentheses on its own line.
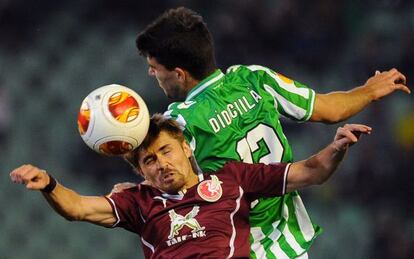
(113,120)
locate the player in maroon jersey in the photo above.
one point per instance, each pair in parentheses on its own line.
(181,212)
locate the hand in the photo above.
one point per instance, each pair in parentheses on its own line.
(31,176)
(119,187)
(349,135)
(385,83)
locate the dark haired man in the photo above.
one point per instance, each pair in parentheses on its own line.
(181,213)
(235,116)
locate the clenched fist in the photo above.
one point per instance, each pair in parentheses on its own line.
(34,178)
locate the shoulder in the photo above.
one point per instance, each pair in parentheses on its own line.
(231,166)
(251,72)
(133,193)
(246,68)
(249,69)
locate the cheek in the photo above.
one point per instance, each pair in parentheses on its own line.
(149,175)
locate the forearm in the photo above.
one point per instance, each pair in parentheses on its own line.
(314,170)
(318,168)
(322,165)
(66,202)
(338,106)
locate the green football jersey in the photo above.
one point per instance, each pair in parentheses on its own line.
(235,116)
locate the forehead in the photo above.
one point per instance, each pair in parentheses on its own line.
(164,139)
(153,62)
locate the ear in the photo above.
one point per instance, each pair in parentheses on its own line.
(181,74)
(187,149)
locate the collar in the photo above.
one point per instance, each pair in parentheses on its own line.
(211,79)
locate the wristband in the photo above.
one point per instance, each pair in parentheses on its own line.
(50,186)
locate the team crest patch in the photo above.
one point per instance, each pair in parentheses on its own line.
(210,190)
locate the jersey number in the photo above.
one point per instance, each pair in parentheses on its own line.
(250,144)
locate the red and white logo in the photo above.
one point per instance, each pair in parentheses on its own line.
(210,190)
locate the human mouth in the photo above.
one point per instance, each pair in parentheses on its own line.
(168,177)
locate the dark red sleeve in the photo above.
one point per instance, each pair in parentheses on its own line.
(260,180)
(127,210)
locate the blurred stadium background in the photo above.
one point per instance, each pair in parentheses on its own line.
(53,53)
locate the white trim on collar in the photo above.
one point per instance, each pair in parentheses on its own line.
(204,86)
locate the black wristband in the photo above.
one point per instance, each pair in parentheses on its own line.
(51,185)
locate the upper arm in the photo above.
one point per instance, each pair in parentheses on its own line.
(97,210)
(260,180)
(293,99)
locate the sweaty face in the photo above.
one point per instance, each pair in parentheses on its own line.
(168,80)
(166,165)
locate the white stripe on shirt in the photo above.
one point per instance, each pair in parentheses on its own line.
(233,235)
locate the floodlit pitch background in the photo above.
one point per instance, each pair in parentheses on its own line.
(53,53)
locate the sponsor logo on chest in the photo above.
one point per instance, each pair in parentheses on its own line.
(210,190)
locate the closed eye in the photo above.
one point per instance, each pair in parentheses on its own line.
(149,159)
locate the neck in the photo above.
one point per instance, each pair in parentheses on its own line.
(193,180)
(190,84)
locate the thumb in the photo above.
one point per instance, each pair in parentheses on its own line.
(341,144)
(37,183)
(33,185)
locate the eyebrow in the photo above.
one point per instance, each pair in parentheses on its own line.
(149,156)
(164,147)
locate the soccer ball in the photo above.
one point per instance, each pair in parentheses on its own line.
(113,120)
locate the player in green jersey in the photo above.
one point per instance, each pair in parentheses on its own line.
(235,116)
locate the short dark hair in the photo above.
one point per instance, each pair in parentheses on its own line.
(179,38)
(158,123)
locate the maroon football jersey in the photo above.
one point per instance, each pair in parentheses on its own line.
(210,220)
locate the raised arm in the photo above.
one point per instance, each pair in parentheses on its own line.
(66,202)
(318,168)
(338,106)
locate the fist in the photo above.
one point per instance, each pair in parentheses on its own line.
(348,135)
(31,176)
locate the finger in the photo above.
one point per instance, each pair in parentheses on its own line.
(344,133)
(349,135)
(341,144)
(398,77)
(36,175)
(15,177)
(29,174)
(33,185)
(16,174)
(358,127)
(403,88)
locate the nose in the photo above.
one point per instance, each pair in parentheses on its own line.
(151,71)
(162,163)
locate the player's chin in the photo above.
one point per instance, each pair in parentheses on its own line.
(172,188)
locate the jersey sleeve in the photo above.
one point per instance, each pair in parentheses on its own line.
(127,210)
(260,180)
(292,99)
